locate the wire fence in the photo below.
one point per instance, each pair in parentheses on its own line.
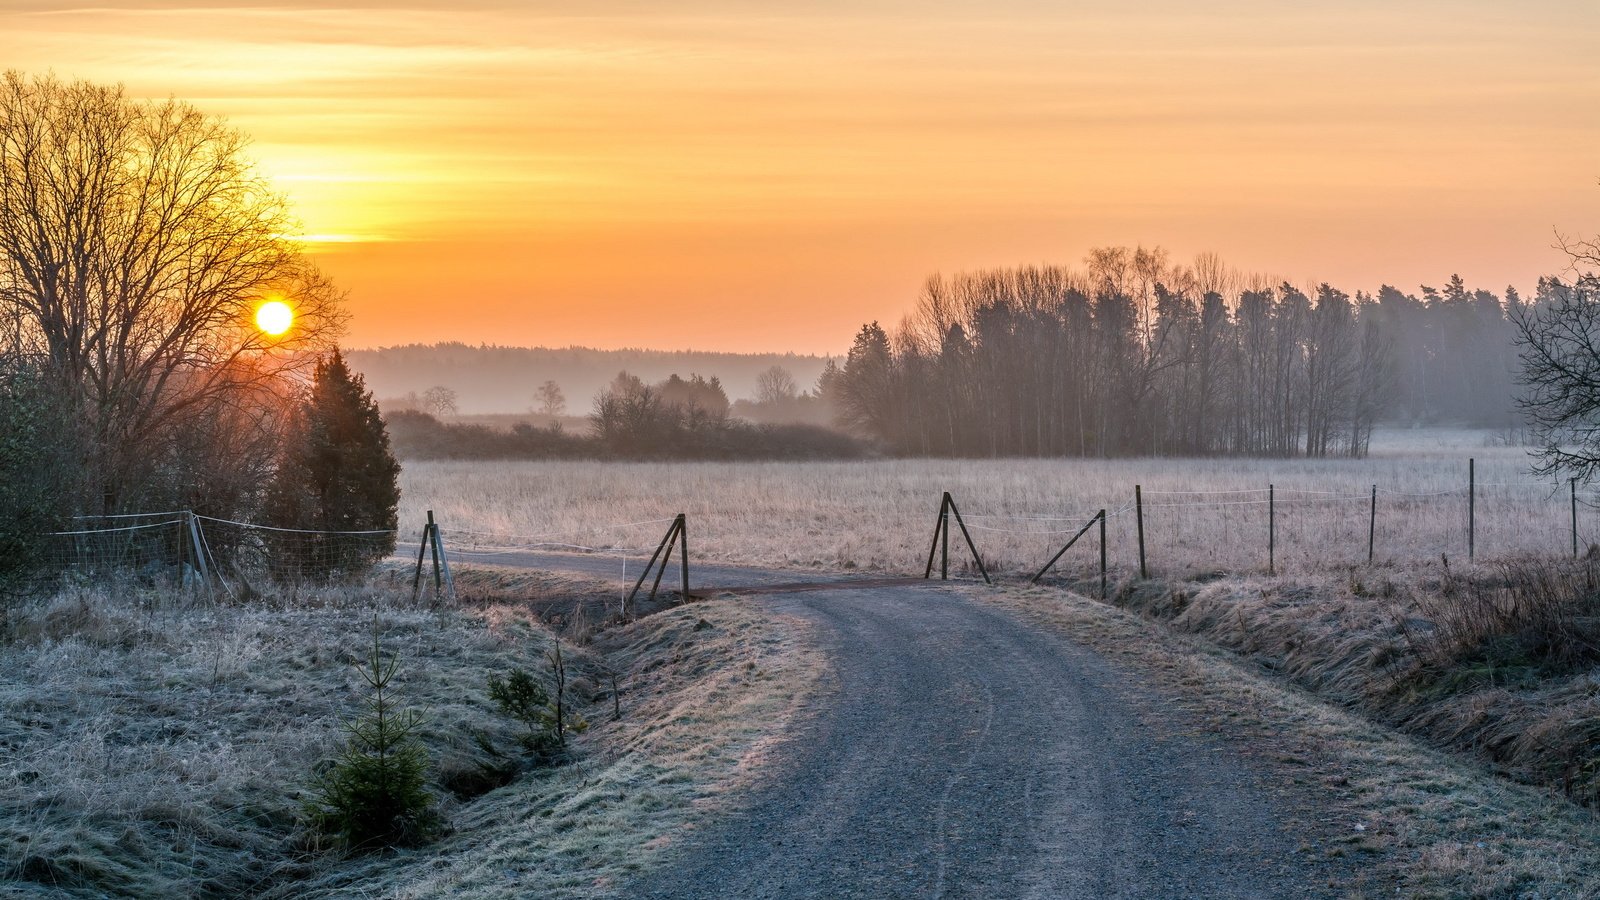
(1311,529)
(628,545)
(239,558)
(190,550)
(1302,527)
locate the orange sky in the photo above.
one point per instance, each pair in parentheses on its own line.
(735,176)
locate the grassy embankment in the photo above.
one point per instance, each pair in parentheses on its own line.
(160,748)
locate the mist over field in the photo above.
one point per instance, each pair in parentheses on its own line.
(496,379)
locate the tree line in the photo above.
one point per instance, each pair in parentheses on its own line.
(1136,355)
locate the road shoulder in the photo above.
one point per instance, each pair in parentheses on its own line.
(1417,821)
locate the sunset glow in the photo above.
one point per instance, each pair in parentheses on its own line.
(618,174)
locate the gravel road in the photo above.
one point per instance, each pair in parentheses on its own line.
(963,754)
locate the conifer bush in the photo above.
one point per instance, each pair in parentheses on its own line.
(337,477)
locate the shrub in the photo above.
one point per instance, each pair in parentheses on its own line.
(522,698)
(374,794)
(543,714)
(1532,620)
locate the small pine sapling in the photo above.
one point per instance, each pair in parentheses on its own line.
(522,698)
(375,794)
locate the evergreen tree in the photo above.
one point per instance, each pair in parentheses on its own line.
(375,793)
(338,475)
(36,449)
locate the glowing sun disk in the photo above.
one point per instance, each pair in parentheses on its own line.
(274,317)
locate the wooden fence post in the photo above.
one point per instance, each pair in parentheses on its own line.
(683,559)
(1102,554)
(433,545)
(1372,525)
(199,549)
(627,603)
(422,552)
(1272,529)
(1138,515)
(442,565)
(940,526)
(1073,540)
(1472,511)
(944,526)
(976,558)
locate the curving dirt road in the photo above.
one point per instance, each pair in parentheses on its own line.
(963,754)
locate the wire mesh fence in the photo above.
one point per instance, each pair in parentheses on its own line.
(286,555)
(192,550)
(143,545)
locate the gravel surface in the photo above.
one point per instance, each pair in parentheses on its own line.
(963,754)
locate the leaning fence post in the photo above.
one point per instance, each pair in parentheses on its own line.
(1372,525)
(199,549)
(671,545)
(442,562)
(1138,514)
(422,552)
(1073,540)
(1472,503)
(668,541)
(433,545)
(944,525)
(968,536)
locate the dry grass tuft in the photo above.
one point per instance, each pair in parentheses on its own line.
(158,749)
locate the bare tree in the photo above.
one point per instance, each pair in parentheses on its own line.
(550,399)
(776,385)
(1560,351)
(136,243)
(439,401)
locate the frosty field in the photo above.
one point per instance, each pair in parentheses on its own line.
(1201,515)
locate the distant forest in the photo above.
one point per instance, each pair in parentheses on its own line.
(1134,355)
(490,379)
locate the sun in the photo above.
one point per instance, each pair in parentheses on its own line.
(274,317)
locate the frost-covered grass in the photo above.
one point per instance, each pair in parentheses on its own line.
(159,748)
